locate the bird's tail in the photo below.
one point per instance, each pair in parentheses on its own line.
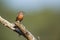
(17,30)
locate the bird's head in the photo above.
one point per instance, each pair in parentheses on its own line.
(20,13)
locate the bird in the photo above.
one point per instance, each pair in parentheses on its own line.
(20,16)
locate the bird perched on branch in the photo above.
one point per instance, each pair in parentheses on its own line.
(19,16)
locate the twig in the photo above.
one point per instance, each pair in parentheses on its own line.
(25,32)
(21,27)
(7,24)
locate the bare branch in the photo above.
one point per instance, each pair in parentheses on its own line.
(25,32)
(21,27)
(7,24)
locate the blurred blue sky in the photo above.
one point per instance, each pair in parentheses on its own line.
(31,4)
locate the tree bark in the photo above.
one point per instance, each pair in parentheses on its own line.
(21,27)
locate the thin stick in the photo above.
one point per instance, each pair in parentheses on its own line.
(21,27)
(25,32)
(7,23)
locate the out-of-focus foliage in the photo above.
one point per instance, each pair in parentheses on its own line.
(44,23)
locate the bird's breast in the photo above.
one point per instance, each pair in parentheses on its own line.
(20,17)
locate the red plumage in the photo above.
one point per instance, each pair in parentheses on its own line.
(19,16)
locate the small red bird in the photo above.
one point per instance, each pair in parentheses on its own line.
(20,16)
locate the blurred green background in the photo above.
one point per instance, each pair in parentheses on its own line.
(41,18)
